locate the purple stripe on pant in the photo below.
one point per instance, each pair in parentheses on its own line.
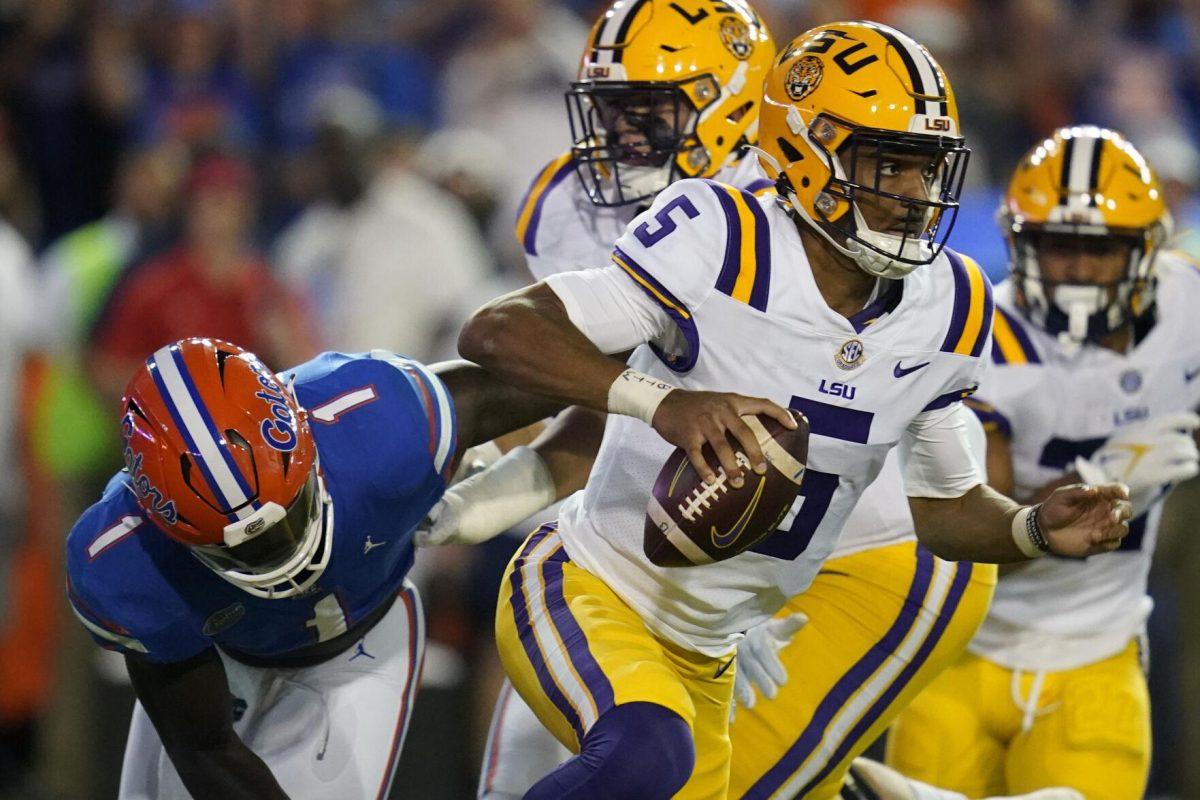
(961,577)
(810,738)
(525,630)
(572,635)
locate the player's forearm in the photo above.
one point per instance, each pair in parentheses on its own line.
(226,770)
(568,447)
(527,339)
(487,407)
(974,527)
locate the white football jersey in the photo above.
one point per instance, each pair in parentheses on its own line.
(731,271)
(1056,613)
(562,230)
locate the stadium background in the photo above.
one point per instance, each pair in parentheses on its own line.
(311,174)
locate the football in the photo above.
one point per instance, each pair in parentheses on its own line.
(690,522)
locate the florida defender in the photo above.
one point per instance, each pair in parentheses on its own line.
(261,530)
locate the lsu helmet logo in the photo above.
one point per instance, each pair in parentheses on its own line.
(804,76)
(735,35)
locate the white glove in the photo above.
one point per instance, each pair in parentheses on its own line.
(440,525)
(1146,456)
(487,503)
(758,662)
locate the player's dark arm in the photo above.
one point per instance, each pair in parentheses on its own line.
(960,519)
(192,710)
(526,338)
(568,445)
(485,407)
(1077,520)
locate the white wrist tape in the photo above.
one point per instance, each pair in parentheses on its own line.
(1021,535)
(490,502)
(636,394)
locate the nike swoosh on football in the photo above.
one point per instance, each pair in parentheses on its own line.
(900,371)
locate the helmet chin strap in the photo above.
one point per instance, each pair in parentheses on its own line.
(912,248)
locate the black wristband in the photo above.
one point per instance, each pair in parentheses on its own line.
(1034,529)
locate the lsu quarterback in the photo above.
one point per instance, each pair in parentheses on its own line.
(635,133)
(1053,689)
(630,664)
(250,562)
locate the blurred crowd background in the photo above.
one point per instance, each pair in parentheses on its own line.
(300,175)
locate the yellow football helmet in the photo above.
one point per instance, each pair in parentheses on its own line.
(843,97)
(666,90)
(1082,188)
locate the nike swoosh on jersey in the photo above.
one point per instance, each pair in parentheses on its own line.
(1189,375)
(900,371)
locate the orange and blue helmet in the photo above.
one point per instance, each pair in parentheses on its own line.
(221,458)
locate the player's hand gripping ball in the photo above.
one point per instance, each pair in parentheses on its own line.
(690,522)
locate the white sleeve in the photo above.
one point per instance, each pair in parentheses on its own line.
(610,309)
(941,453)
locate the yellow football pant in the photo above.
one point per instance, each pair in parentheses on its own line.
(882,624)
(1088,728)
(574,650)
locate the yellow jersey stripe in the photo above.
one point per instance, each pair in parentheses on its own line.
(748,268)
(537,192)
(974,327)
(1006,340)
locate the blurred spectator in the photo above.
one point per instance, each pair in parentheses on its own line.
(63,120)
(508,76)
(78,273)
(332,175)
(411,250)
(196,92)
(330,46)
(212,284)
(27,523)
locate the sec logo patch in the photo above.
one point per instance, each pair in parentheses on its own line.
(850,355)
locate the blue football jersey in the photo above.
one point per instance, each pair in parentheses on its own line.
(385,435)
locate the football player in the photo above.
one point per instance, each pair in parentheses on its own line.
(815,295)
(250,562)
(571,224)
(1095,359)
